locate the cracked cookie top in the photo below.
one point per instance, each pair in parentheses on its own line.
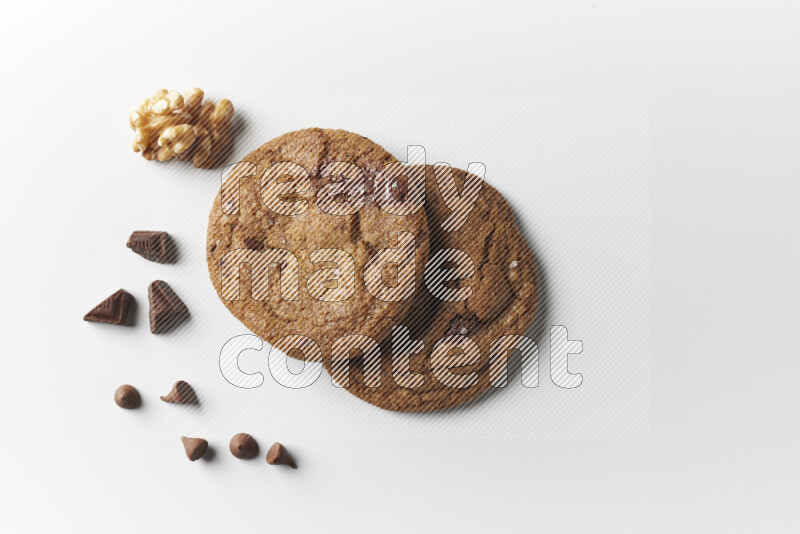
(257,273)
(502,303)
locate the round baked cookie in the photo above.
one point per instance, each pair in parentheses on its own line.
(502,303)
(258,228)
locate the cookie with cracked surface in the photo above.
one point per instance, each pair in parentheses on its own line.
(502,303)
(259,229)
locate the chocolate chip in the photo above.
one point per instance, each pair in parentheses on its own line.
(462,326)
(153,246)
(253,243)
(166,310)
(399,189)
(127,396)
(244,446)
(195,447)
(182,393)
(113,310)
(278,455)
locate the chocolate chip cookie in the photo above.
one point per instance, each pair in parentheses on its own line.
(314,247)
(502,303)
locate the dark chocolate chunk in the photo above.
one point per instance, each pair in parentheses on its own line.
(113,310)
(462,326)
(195,447)
(153,246)
(166,309)
(182,393)
(278,455)
(244,446)
(254,244)
(127,396)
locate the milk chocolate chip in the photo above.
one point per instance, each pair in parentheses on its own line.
(153,246)
(195,447)
(113,310)
(166,309)
(278,455)
(244,446)
(182,393)
(127,396)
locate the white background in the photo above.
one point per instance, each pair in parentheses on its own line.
(723,86)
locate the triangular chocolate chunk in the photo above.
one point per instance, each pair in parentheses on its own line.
(166,309)
(113,310)
(153,246)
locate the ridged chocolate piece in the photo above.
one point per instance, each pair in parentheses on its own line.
(195,447)
(113,310)
(166,310)
(153,246)
(278,455)
(182,393)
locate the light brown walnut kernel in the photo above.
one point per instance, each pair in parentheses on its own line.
(170,125)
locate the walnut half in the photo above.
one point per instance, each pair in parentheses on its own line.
(183,126)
